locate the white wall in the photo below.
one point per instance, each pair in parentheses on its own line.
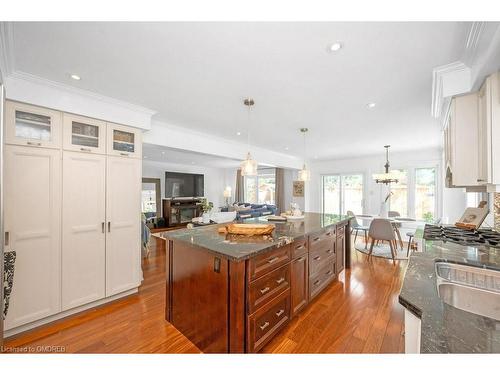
(214,177)
(451,202)
(290,176)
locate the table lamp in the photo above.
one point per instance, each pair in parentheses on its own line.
(227,194)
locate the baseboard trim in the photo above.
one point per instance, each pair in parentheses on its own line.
(64,314)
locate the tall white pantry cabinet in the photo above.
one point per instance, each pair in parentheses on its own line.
(72,212)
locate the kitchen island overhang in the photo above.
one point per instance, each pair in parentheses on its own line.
(232,294)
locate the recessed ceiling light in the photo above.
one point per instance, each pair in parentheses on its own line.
(145,157)
(238,133)
(192,162)
(334,47)
(371,105)
(76,77)
(163,152)
(315,157)
(286,148)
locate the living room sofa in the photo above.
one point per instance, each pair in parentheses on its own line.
(251,210)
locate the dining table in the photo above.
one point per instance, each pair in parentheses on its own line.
(396,222)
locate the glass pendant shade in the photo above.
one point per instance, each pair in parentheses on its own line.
(304,174)
(389,176)
(249,166)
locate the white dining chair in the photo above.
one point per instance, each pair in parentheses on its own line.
(382,230)
(356,227)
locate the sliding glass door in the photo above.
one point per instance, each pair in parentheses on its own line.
(342,193)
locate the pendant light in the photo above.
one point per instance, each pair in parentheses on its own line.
(304,173)
(249,166)
(389,176)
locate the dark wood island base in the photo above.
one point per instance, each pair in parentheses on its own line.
(227,301)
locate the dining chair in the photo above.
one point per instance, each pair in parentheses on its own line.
(356,227)
(382,230)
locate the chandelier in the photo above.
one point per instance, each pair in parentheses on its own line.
(304,173)
(389,176)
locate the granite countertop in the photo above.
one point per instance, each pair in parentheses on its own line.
(239,248)
(444,328)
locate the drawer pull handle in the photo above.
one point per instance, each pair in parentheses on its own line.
(265,290)
(279,313)
(329,272)
(264,326)
(317,282)
(124,154)
(301,246)
(301,259)
(329,251)
(272,260)
(85,149)
(481,180)
(280,280)
(34,143)
(316,239)
(329,233)
(317,258)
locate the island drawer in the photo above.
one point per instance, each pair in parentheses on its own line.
(267,321)
(299,248)
(324,276)
(320,258)
(267,287)
(321,240)
(262,264)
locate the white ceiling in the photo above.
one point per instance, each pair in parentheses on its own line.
(162,154)
(197,74)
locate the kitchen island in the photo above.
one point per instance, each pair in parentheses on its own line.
(232,294)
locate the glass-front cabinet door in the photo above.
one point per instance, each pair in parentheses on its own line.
(84,134)
(124,140)
(29,125)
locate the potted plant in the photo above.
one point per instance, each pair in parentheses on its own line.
(206,207)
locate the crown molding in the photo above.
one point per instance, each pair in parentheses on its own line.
(472,42)
(6,49)
(448,80)
(30,78)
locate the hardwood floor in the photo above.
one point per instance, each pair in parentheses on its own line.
(359,314)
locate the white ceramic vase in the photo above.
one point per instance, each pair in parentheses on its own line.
(205,217)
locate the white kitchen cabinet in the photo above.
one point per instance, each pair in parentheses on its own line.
(33,229)
(30,125)
(83,229)
(84,134)
(464,140)
(489,131)
(123,227)
(124,141)
(413,333)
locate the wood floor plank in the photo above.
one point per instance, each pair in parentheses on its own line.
(359,313)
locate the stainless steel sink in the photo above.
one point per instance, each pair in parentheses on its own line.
(473,289)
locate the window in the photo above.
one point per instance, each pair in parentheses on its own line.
(261,188)
(425,194)
(399,198)
(342,193)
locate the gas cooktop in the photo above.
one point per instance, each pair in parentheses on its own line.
(478,237)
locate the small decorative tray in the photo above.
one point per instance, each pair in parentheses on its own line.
(247,229)
(291,217)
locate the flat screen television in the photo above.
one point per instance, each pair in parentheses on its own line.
(183,185)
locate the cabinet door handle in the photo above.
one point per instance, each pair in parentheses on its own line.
(109,226)
(102,227)
(279,313)
(7,238)
(280,280)
(123,154)
(34,143)
(317,258)
(265,290)
(480,180)
(272,260)
(264,326)
(85,149)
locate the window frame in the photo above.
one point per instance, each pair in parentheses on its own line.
(260,172)
(341,195)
